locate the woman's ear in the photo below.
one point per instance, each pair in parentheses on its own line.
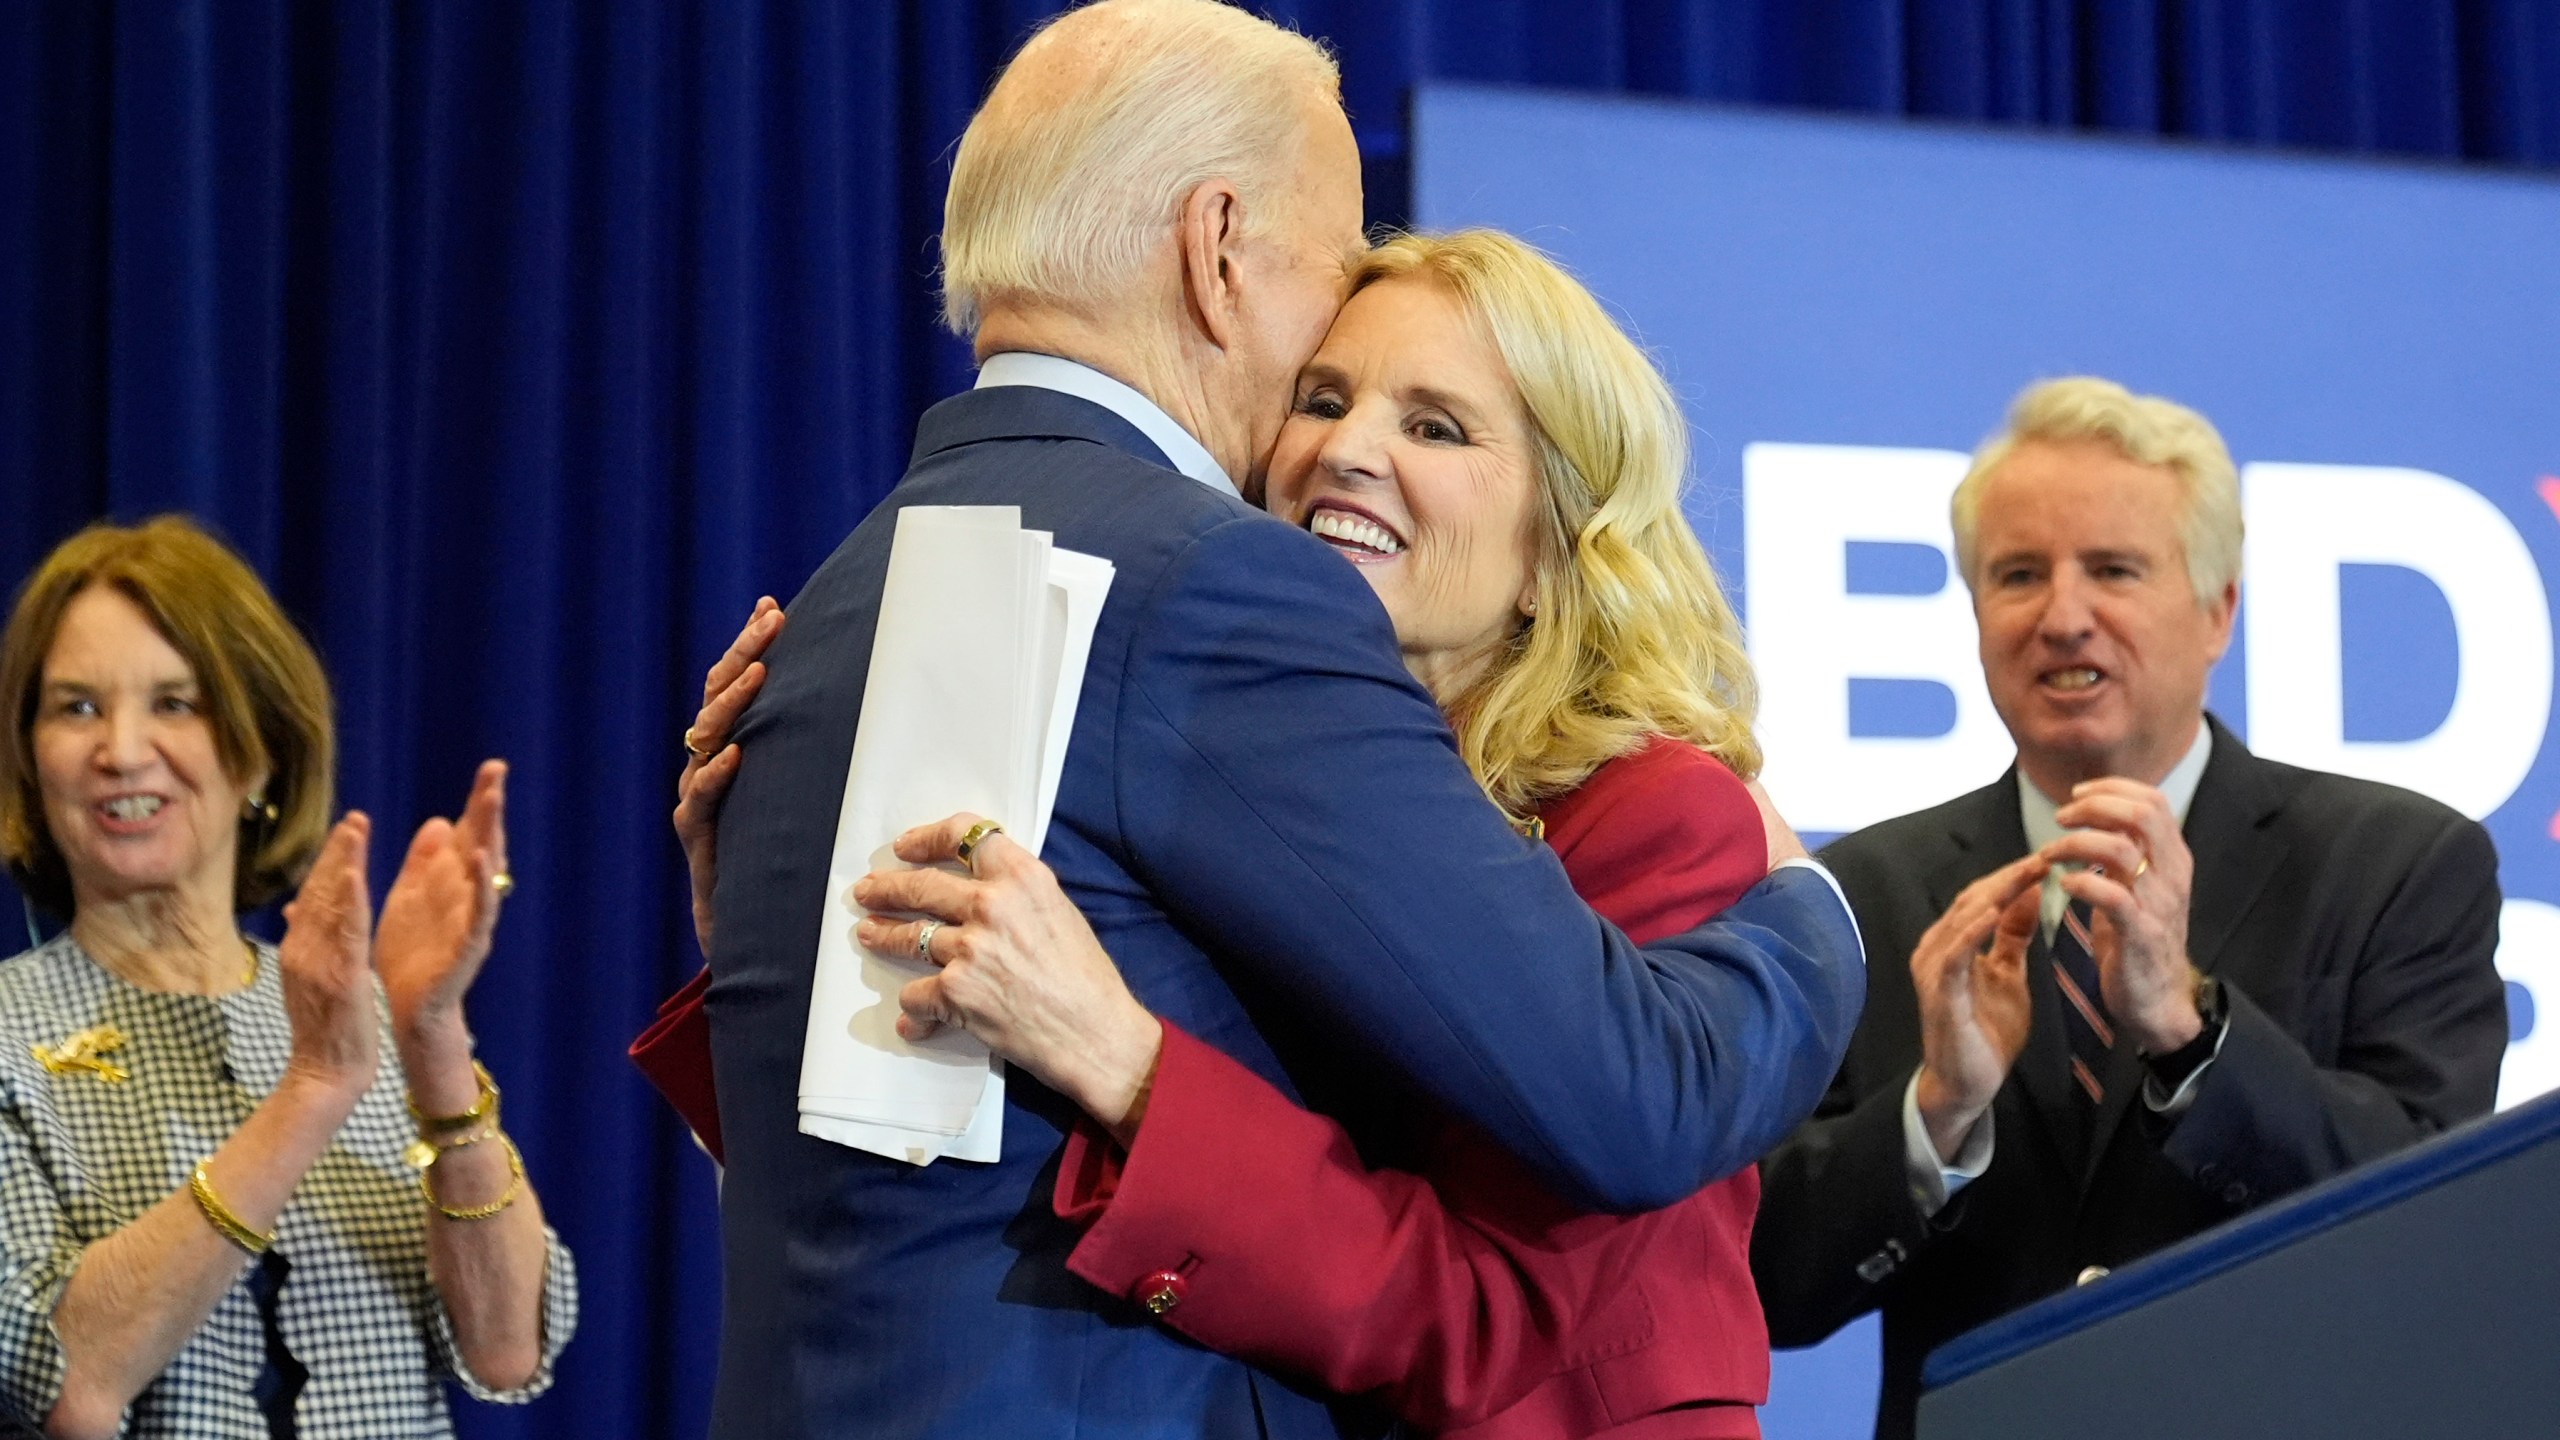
(1207,230)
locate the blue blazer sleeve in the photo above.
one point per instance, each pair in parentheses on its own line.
(1296,801)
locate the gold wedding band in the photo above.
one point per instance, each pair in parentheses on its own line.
(693,747)
(502,884)
(2145,865)
(976,837)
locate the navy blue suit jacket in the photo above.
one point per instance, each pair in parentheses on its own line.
(1269,826)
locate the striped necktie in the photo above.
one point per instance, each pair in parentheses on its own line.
(2084,1009)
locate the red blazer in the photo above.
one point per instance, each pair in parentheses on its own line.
(1465,1298)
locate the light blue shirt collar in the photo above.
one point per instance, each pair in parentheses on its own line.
(2179,786)
(1067,377)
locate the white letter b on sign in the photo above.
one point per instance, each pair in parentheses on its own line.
(1802,507)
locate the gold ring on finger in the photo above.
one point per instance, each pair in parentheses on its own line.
(2145,865)
(976,837)
(693,746)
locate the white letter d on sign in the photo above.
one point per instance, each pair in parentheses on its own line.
(2307,520)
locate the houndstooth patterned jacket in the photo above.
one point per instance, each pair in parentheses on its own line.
(80,1158)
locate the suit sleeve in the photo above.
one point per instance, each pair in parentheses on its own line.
(1837,1216)
(1298,1257)
(2425,1030)
(1838,1219)
(1299,804)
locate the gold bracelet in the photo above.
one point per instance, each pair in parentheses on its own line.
(483,1108)
(515,1183)
(233,1228)
(426,1150)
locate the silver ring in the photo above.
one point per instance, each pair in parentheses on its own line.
(924,941)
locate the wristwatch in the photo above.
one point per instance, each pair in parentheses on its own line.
(2214,1008)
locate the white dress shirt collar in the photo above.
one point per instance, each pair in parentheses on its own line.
(1068,377)
(2037,811)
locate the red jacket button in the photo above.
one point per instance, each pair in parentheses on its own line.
(1162,1291)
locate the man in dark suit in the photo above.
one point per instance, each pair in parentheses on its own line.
(2152,980)
(1263,817)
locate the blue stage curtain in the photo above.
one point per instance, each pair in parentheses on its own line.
(521,344)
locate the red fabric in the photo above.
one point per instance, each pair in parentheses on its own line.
(1465,1297)
(675,1053)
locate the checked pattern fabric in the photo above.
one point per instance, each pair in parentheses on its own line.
(342,1328)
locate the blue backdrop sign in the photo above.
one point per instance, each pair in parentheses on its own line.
(1847,307)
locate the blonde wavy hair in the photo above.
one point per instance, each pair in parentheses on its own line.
(1633,636)
(2145,429)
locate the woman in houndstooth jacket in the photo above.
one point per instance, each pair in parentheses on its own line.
(245,1190)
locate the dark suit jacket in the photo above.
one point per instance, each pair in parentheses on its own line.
(2354,928)
(1268,825)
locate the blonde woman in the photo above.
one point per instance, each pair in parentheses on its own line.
(1505,467)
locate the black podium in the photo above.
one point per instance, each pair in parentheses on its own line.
(2417,1297)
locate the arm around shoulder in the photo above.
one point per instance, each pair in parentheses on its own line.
(1297,801)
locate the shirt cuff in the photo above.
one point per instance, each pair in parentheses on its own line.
(2176,1102)
(1933,1182)
(1807,862)
(559,1322)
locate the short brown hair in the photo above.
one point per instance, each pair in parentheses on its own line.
(264,693)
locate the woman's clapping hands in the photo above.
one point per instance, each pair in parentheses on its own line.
(442,911)
(326,957)
(437,923)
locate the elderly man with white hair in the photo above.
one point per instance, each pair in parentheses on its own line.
(2152,980)
(1263,816)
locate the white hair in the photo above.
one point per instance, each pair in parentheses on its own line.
(2145,429)
(1074,170)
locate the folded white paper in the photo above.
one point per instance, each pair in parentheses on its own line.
(976,668)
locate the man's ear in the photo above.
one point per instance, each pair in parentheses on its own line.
(1206,232)
(2218,616)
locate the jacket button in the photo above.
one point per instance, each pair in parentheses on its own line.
(2209,1173)
(1162,1291)
(2235,1193)
(2089,1273)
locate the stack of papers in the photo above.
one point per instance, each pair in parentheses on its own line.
(975,672)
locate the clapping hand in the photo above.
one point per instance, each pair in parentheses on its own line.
(440,916)
(1970,969)
(2137,881)
(326,957)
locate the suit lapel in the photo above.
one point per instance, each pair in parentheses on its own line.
(2235,855)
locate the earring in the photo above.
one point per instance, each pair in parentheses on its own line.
(257,808)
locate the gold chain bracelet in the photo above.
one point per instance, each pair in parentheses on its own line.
(233,1228)
(515,1181)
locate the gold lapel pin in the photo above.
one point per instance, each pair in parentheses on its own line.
(87,1051)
